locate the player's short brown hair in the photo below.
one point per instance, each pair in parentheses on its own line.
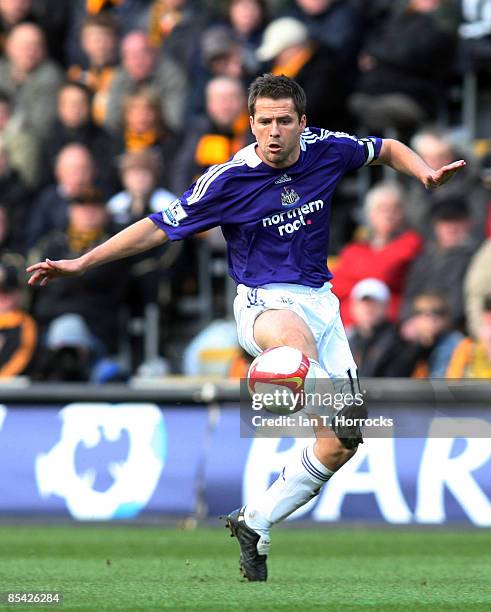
(277,88)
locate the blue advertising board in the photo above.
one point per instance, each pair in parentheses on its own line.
(103,461)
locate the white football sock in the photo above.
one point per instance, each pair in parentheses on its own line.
(300,480)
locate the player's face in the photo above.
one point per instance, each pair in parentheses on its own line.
(277,129)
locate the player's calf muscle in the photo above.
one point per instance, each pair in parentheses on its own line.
(331,452)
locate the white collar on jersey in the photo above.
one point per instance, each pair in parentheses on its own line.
(249,155)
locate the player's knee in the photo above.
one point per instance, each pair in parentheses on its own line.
(332,453)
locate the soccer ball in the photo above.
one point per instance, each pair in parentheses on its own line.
(279,377)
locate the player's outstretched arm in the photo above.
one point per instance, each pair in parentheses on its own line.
(403,159)
(141,236)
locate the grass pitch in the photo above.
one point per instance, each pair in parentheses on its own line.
(144,568)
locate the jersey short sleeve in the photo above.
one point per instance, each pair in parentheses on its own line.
(357,152)
(200,208)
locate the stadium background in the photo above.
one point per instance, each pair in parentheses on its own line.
(96,422)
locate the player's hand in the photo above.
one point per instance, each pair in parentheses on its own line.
(444,174)
(45,271)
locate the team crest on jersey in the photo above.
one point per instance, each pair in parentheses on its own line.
(289,196)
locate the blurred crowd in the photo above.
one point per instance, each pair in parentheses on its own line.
(109,109)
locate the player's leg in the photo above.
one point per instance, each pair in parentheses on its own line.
(272,327)
(284,328)
(303,476)
(261,327)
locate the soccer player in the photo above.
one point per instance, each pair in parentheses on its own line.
(272,200)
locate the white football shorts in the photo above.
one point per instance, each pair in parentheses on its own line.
(318,307)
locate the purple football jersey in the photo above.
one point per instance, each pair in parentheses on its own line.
(275,221)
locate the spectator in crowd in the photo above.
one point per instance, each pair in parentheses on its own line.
(375,342)
(436,147)
(18,330)
(429,329)
(144,128)
(335,24)
(140,172)
(19,142)
(214,137)
(212,351)
(15,197)
(74,172)
(72,354)
(97,296)
(472,358)
(477,284)
(74,124)
(141,66)
(29,77)
(139,175)
(287,47)
(443,264)
(386,254)
(50,15)
(220,54)
(247,20)
(403,70)
(68,352)
(128,14)
(174,26)
(99,39)
(13,12)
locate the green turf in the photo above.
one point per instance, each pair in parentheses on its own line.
(143,568)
